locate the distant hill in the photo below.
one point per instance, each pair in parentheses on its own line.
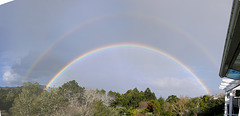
(7,87)
(41,86)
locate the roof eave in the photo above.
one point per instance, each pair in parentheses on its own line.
(231,43)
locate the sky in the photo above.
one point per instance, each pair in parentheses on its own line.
(38,38)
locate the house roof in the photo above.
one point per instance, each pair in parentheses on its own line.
(230,65)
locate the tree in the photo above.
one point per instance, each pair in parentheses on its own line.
(72,89)
(149,95)
(156,107)
(24,104)
(93,103)
(218,104)
(70,99)
(149,107)
(111,93)
(180,106)
(142,96)
(50,101)
(74,108)
(118,99)
(193,106)
(168,110)
(7,96)
(122,111)
(162,105)
(102,91)
(211,106)
(99,109)
(132,98)
(172,99)
(205,103)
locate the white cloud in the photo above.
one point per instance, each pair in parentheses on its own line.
(10,77)
(174,82)
(5,1)
(177,86)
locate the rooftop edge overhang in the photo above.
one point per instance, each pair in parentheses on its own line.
(231,57)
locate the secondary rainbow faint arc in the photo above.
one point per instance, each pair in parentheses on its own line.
(45,51)
(128,45)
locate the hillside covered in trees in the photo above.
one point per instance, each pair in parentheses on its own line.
(71,99)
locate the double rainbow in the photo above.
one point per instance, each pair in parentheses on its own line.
(133,46)
(99,18)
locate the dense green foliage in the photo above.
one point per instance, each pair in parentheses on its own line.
(7,96)
(71,99)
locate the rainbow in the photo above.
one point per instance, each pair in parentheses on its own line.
(45,51)
(98,18)
(127,45)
